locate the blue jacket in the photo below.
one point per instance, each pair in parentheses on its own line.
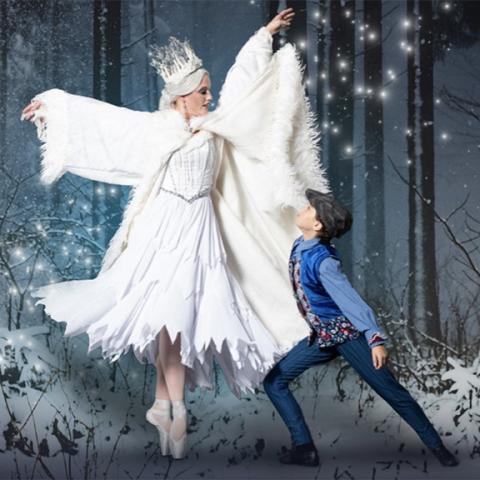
(328,290)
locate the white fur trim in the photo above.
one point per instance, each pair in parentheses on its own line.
(52,130)
(293,147)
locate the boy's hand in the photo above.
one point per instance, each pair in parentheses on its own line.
(379,356)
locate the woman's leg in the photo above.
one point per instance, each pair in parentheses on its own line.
(174,374)
(160,412)
(170,362)
(161,390)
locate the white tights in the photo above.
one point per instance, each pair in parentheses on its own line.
(170,383)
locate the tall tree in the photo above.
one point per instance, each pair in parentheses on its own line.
(412,165)
(297,33)
(273,9)
(320,76)
(427,162)
(374,150)
(152,85)
(340,111)
(4,35)
(107,87)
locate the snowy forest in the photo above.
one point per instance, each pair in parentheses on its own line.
(395,86)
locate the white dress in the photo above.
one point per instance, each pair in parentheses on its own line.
(172,274)
(248,169)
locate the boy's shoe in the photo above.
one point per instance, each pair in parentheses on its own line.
(306,456)
(446,458)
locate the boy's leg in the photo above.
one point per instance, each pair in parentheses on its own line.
(358,354)
(298,359)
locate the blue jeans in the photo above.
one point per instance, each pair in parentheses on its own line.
(358,354)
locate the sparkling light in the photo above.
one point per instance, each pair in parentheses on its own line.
(407,23)
(372,35)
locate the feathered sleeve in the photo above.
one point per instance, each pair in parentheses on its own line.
(93,139)
(250,62)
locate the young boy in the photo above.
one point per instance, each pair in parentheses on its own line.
(341,324)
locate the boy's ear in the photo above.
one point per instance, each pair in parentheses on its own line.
(318,226)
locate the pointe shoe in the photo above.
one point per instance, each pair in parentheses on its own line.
(160,412)
(178,447)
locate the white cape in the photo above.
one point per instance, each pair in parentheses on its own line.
(269,142)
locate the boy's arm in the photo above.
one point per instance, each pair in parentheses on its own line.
(350,302)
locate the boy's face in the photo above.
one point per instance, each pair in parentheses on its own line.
(307,222)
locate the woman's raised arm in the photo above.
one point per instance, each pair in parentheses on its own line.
(252,59)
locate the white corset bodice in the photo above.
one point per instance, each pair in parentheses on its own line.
(190,170)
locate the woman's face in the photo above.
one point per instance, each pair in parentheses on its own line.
(196,103)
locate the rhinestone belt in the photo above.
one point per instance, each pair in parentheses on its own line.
(203,193)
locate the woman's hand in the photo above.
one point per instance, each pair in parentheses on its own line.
(28,112)
(379,356)
(282,20)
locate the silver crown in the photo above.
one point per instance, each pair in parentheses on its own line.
(174,61)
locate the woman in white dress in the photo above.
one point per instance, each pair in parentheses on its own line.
(181,291)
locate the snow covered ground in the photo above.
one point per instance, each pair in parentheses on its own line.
(84,430)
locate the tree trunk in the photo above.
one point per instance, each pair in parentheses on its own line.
(412,168)
(374,178)
(107,87)
(4,33)
(340,113)
(427,162)
(320,76)
(297,33)
(273,7)
(151,75)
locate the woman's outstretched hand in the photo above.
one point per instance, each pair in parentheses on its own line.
(281,20)
(29,111)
